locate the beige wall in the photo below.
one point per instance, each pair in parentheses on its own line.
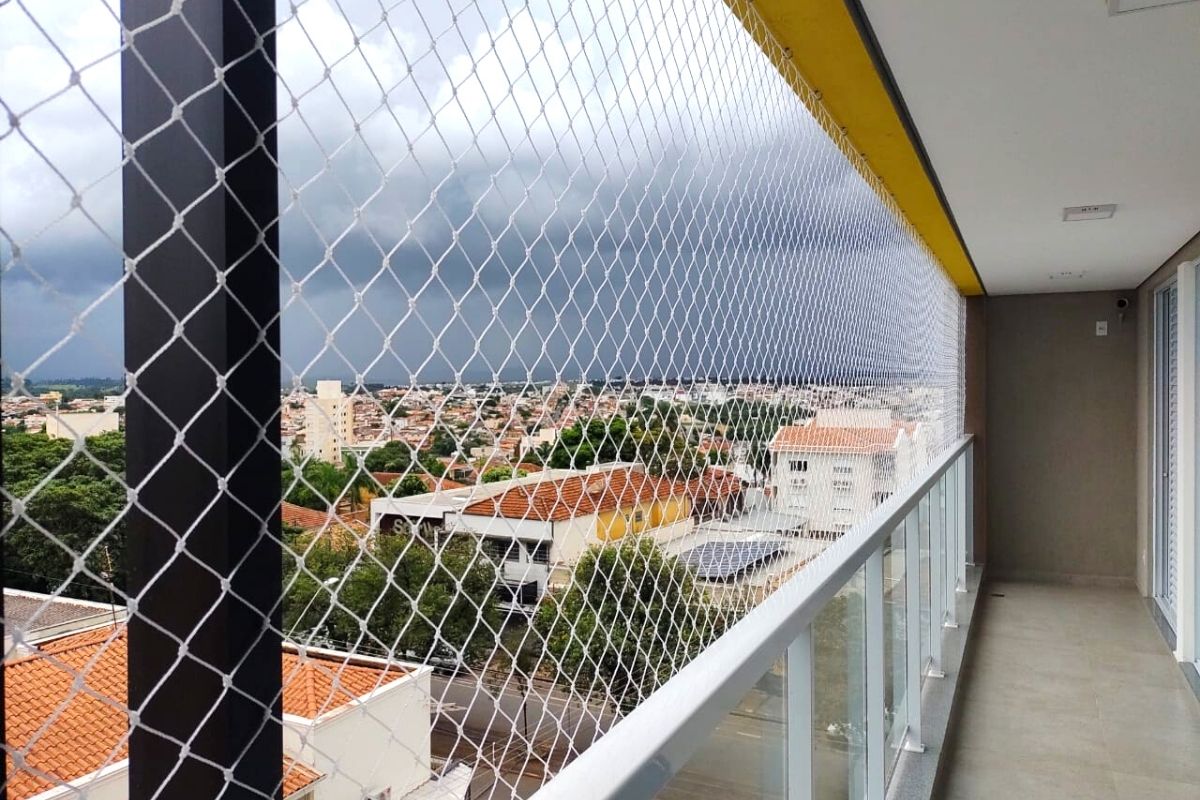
(1060,409)
(1145,378)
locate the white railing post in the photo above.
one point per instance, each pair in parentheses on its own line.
(937,583)
(969,492)
(800,709)
(951,546)
(912,627)
(961,468)
(876,722)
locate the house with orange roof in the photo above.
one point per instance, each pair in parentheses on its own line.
(834,469)
(538,527)
(535,527)
(353,726)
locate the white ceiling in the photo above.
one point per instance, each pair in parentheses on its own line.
(1028,106)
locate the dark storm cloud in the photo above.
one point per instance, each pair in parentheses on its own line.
(666,235)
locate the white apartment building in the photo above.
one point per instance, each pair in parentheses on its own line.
(836,468)
(328,422)
(547,435)
(81,424)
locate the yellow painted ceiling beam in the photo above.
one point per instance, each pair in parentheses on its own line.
(817,47)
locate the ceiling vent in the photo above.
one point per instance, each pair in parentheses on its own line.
(1122,6)
(1080,213)
(1068,275)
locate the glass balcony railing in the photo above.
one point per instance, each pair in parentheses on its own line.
(817,692)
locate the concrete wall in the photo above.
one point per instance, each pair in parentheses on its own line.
(380,743)
(1061,423)
(1145,398)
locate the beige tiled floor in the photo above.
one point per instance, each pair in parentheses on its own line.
(1072,693)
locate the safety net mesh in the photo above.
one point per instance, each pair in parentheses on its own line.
(589,336)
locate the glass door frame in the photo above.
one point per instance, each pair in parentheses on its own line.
(1165,474)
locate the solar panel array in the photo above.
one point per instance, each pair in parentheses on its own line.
(724,560)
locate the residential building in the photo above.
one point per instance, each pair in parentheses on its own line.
(33,617)
(837,467)
(537,526)
(328,422)
(353,726)
(81,424)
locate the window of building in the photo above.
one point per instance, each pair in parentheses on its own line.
(540,553)
(842,485)
(501,549)
(798,464)
(843,469)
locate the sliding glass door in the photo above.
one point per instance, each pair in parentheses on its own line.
(1166,427)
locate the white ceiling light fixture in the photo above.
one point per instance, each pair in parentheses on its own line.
(1081,213)
(1124,6)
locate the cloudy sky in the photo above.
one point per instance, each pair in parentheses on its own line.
(525,189)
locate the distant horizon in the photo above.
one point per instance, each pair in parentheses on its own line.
(795,380)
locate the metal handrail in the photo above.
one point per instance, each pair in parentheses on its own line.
(640,754)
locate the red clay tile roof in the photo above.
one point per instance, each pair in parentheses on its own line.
(822,439)
(341,530)
(90,731)
(578,495)
(306,518)
(432,484)
(297,775)
(714,484)
(313,685)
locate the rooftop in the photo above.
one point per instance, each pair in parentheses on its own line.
(30,612)
(822,439)
(579,495)
(90,731)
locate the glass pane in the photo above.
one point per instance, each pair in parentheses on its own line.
(895,654)
(746,755)
(839,695)
(925,510)
(947,554)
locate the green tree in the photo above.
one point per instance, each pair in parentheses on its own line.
(321,484)
(501,474)
(442,443)
(630,617)
(395,456)
(413,601)
(407,486)
(81,504)
(647,437)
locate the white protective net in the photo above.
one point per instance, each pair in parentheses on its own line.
(590,337)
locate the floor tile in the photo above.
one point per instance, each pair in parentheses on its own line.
(1136,787)
(1072,692)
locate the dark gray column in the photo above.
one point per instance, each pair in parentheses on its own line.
(202,419)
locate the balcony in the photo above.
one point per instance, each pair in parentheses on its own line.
(444,401)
